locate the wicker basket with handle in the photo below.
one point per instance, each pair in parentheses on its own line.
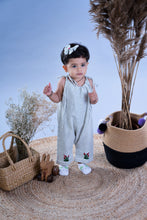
(14,173)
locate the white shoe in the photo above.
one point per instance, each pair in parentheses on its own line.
(84,168)
(63,170)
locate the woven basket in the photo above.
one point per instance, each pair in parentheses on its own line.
(125,148)
(14,173)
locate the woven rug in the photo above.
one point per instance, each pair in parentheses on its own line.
(106,193)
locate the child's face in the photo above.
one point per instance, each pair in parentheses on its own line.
(76,67)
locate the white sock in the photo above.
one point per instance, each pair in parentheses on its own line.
(84,168)
(63,170)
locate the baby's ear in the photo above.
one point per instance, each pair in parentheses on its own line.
(65,68)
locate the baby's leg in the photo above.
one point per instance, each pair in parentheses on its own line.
(84,148)
(64,152)
(65,142)
(84,153)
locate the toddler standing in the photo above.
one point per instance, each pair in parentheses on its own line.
(75,93)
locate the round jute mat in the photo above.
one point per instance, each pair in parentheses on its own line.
(106,193)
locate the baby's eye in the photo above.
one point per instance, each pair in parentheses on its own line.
(74,66)
(83,64)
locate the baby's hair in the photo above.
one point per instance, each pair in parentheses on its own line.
(78,50)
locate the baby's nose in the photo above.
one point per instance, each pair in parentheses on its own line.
(79,68)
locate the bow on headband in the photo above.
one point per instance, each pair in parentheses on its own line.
(69,50)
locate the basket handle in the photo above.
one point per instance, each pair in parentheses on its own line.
(12,140)
(8,134)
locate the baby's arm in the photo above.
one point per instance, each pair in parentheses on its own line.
(57,95)
(93,96)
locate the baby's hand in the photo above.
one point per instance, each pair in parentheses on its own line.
(48,90)
(93,96)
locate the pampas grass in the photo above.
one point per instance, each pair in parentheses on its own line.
(124,24)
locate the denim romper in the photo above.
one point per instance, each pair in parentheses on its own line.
(75,124)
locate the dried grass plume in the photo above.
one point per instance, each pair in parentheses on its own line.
(124,24)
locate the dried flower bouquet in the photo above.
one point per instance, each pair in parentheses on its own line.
(26,117)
